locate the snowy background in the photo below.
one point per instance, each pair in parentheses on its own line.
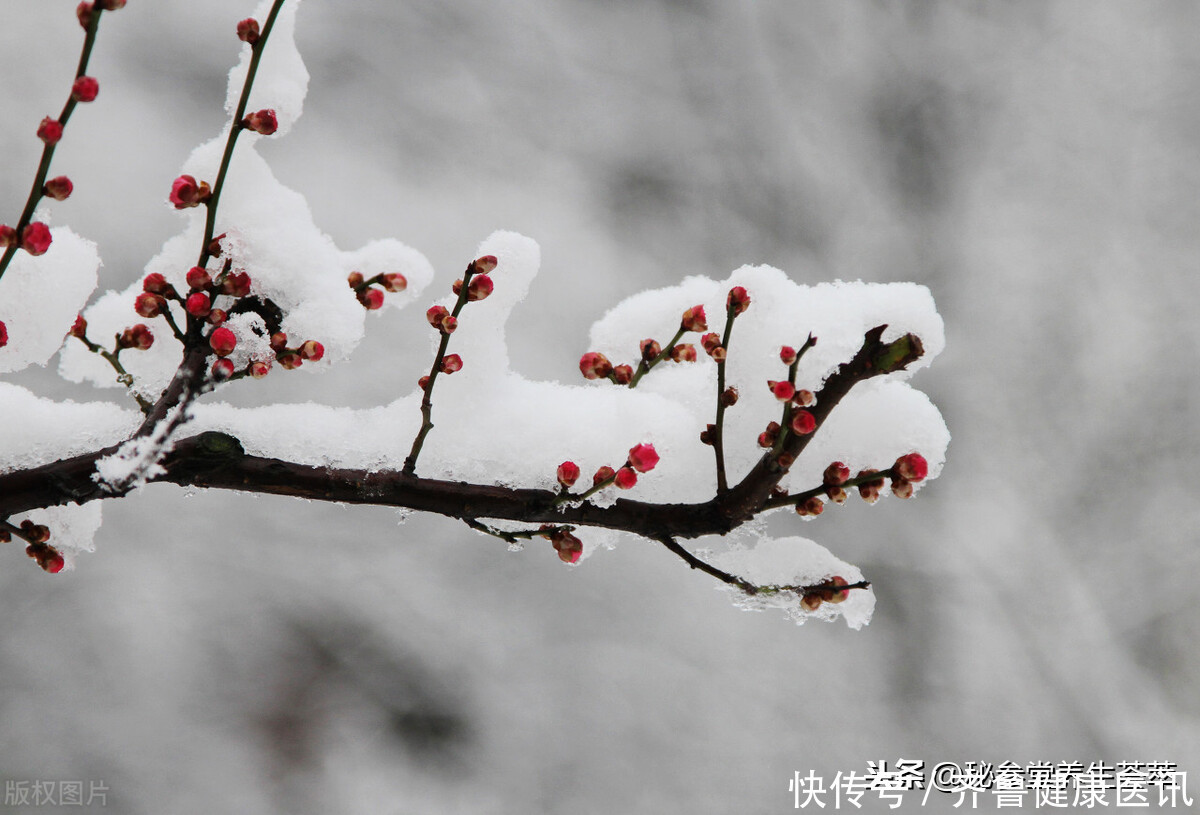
(1034,165)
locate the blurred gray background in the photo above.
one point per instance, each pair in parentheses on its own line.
(1034,164)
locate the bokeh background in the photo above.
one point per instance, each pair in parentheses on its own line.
(1034,164)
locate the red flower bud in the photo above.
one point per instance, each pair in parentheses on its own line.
(602,475)
(312,350)
(869,490)
(278,341)
(622,374)
(3,334)
(218,316)
(650,349)
(290,360)
(198,278)
(486,264)
(236,284)
(838,596)
(568,473)
(260,368)
(139,337)
(50,131)
(768,437)
(643,458)
(35,238)
(783,391)
(394,281)
(738,300)
(804,398)
(451,363)
(568,546)
(423,382)
(247,30)
(187,192)
(198,304)
(625,478)
(79,329)
(811,507)
(594,365)
(912,467)
(902,487)
(222,369)
(803,423)
(436,315)
(449,324)
(787,355)
(85,89)
(58,188)
(694,319)
(222,341)
(456,287)
(262,122)
(480,287)
(8,236)
(148,304)
(835,474)
(214,246)
(684,352)
(54,563)
(355,279)
(709,435)
(84,13)
(710,341)
(836,494)
(371,298)
(156,284)
(729,397)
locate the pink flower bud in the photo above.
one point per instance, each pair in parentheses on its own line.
(312,350)
(451,363)
(625,478)
(394,281)
(838,596)
(480,287)
(262,122)
(449,324)
(783,391)
(836,474)
(836,494)
(290,360)
(912,467)
(35,238)
(650,349)
(718,354)
(156,284)
(260,368)
(568,473)
(787,354)
(602,475)
(278,341)
(198,304)
(54,563)
(684,352)
(149,305)
(247,30)
(694,319)
(84,13)
(8,236)
(643,458)
(622,374)
(594,365)
(486,264)
(436,315)
(187,192)
(198,278)
(568,546)
(803,423)
(710,341)
(804,398)
(222,369)
(85,89)
(355,279)
(59,188)
(371,298)
(222,341)
(738,300)
(768,437)
(811,507)
(50,131)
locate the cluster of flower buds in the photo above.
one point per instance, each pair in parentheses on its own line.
(37,534)
(907,470)
(369,291)
(35,238)
(836,474)
(810,507)
(138,337)
(711,342)
(642,458)
(569,547)
(830,591)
